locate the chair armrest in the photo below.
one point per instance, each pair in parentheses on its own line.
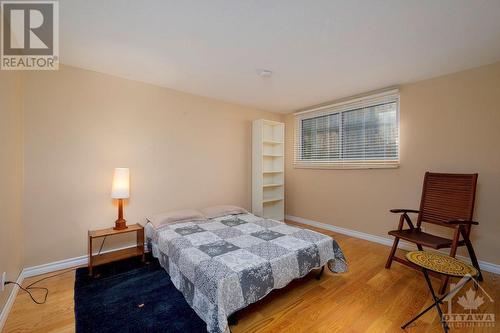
(404,217)
(404,211)
(461,222)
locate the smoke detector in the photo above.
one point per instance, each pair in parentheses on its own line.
(264,73)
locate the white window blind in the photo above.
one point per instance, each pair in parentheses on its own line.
(361,133)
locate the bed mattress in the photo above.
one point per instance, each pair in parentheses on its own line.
(222,265)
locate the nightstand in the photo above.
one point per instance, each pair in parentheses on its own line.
(104,258)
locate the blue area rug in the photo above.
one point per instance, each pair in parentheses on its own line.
(130,296)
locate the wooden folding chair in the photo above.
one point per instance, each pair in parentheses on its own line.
(447,201)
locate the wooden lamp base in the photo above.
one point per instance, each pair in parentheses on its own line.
(120,223)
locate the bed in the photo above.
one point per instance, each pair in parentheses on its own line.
(223,264)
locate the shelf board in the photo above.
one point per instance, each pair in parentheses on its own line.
(271,200)
(274,218)
(111,231)
(272,122)
(271,171)
(117,255)
(272,142)
(272,185)
(272,155)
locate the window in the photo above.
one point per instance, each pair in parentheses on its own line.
(362,133)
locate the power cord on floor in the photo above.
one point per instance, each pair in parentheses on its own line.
(27,290)
(31,287)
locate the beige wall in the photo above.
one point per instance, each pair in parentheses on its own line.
(11,245)
(448,124)
(183,151)
(188,151)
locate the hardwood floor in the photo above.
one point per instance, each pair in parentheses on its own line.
(368,298)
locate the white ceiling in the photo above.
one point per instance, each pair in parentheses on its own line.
(319,50)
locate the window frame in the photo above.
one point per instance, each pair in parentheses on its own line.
(389,96)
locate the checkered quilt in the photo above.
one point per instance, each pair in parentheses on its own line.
(222,265)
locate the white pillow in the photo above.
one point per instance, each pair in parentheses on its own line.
(218,211)
(175,216)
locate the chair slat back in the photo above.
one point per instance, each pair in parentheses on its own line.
(447,196)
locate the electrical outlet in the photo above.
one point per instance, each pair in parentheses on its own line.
(2,281)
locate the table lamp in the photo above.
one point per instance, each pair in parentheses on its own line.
(120,190)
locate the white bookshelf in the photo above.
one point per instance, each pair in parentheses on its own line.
(268,165)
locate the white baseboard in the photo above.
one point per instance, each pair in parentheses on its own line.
(62,264)
(485,266)
(10,301)
(54,266)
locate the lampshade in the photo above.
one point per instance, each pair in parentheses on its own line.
(121,184)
